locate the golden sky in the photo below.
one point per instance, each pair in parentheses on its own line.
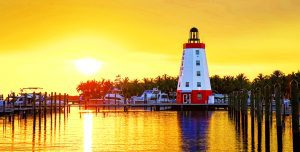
(40,40)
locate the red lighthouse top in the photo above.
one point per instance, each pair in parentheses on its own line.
(194,41)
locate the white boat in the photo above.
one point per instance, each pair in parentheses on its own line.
(114,97)
(151,96)
(20,100)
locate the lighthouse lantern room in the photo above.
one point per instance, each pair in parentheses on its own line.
(193,83)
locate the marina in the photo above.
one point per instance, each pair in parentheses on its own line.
(161,76)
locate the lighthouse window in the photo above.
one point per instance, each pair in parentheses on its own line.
(199,96)
(198,73)
(198,84)
(187,84)
(197,62)
(197,52)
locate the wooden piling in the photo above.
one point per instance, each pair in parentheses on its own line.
(55,105)
(295,114)
(234,105)
(267,99)
(278,116)
(238,109)
(51,103)
(13,102)
(259,117)
(45,106)
(33,100)
(59,102)
(245,109)
(252,106)
(45,103)
(40,103)
(25,100)
(39,108)
(252,112)
(68,104)
(64,103)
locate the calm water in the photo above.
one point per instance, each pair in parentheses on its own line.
(134,131)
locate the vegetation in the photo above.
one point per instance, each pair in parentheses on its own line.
(168,84)
(228,84)
(97,89)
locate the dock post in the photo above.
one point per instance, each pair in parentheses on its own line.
(295,114)
(40,102)
(45,106)
(244,109)
(68,104)
(51,103)
(252,113)
(145,101)
(239,109)
(252,117)
(59,102)
(45,103)
(39,109)
(233,104)
(25,106)
(229,104)
(25,101)
(55,103)
(33,100)
(115,100)
(259,117)
(13,103)
(64,103)
(278,116)
(267,98)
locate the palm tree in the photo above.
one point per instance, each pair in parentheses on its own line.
(242,82)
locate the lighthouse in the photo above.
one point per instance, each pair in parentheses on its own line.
(193,83)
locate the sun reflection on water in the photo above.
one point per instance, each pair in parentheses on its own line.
(88,129)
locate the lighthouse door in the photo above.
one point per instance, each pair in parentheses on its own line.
(186,98)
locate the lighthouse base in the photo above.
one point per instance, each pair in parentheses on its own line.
(193,96)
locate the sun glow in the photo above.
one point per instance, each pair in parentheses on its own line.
(88,66)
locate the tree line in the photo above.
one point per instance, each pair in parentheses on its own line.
(168,84)
(135,87)
(228,84)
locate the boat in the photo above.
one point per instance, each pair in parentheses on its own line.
(151,96)
(114,97)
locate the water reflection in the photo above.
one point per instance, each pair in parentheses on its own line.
(137,131)
(88,129)
(194,127)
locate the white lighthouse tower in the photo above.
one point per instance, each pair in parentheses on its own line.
(193,83)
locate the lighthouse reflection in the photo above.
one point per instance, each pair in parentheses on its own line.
(194,126)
